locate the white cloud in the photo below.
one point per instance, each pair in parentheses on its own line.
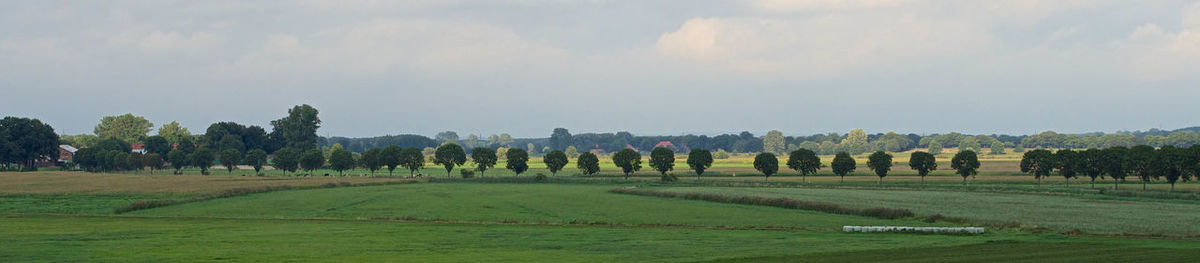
(1158,54)
(824,5)
(173,41)
(822,46)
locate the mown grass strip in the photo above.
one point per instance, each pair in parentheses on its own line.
(148,204)
(876,212)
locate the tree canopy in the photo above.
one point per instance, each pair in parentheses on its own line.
(588,162)
(555,161)
(484,159)
(128,128)
(843,164)
(449,155)
(965,164)
(628,160)
(662,160)
(880,162)
(923,163)
(804,161)
(517,160)
(699,160)
(767,164)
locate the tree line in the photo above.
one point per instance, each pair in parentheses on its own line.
(1143,162)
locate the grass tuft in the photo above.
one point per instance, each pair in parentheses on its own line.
(876,212)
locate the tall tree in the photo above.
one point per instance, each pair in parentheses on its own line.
(923,163)
(1173,164)
(935,147)
(24,140)
(372,159)
(767,164)
(484,159)
(1113,160)
(774,142)
(555,161)
(311,159)
(965,163)
(412,159)
(1068,163)
(472,141)
(157,144)
(588,162)
(662,160)
(391,157)
(128,128)
(1140,163)
(843,164)
(201,158)
(341,160)
(256,158)
(572,152)
(699,160)
(1092,164)
(152,161)
(560,139)
(173,132)
(880,162)
(449,155)
(1039,162)
(286,159)
(178,159)
(628,160)
(299,129)
(517,161)
(804,161)
(446,136)
(230,159)
(855,142)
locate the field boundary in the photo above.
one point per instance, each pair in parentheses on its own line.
(876,212)
(154,203)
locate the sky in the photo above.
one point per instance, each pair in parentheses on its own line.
(375,67)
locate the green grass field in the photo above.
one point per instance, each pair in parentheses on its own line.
(68,216)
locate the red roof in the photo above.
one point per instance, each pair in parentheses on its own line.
(138,146)
(665,144)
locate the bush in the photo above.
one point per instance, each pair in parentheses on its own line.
(467,173)
(540,177)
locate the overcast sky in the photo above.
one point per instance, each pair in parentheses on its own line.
(648,67)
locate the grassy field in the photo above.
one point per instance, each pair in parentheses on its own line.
(68,216)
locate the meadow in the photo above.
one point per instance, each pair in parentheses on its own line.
(71,216)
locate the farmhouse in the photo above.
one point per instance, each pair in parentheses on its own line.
(65,153)
(138,148)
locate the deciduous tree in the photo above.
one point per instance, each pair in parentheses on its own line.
(413,159)
(128,128)
(449,155)
(372,159)
(880,162)
(1039,162)
(311,159)
(965,163)
(843,164)
(923,163)
(230,159)
(517,161)
(662,160)
(628,160)
(767,164)
(341,160)
(699,160)
(588,162)
(484,159)
(256,158)
(555,161)
(804,161)
(202,158)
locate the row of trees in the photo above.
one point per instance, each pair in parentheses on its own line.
(1143,162)
(23,141)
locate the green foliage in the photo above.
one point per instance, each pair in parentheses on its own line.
(256,158)
(720,154)
(843,164)
(588,162)
(157,144)
(699,160)
(173,132)
(969,143)
(774,142)
(152,161)
(133,161)
(1112,163)
(804,161)
(23,140)
(341,160)
(517,160)
(555,161)
(484,159)
(965,164)
(560,139)
(128,128)
(880,162)
(572,152)
(372,159)
(286,159)
(628,160)
(662,160)
(448,156)
(311,159)
(390,157)
(230,159)
(935,147)
(201,158)
(668,178)
(1139,163)
(1069,163)
(997,147)
(1039,162)
(413,159)
(178,159)
(466,173)
(299,129)
(855,142)
(923,163)
(766,163)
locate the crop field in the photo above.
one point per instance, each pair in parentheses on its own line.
(70,216)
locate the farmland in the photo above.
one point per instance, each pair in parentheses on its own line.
(574,218)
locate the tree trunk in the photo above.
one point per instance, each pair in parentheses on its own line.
(803,178)
(843,179)
(1116,184)
(1143,185)
(1093,182)
(1068,182)
(1039,179)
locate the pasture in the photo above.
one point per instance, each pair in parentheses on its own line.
(69,216)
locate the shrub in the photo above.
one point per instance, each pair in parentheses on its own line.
(540,177)
(467,173)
